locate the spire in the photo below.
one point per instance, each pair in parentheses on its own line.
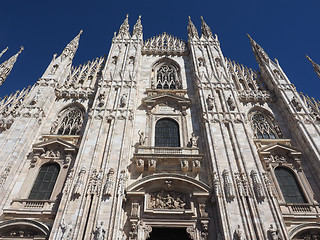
(137,29)
(205,29)
(6,67)
(124,28)
(71,48)
(3,51)
(192,31)
(315,66)
(258,51)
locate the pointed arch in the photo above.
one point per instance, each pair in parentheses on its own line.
(166,74)
(264,124)
(69,120)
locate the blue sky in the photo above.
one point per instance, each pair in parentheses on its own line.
(287,30)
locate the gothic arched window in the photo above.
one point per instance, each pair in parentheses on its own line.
(263,126)
(289,186)
(71,122)
(167,78)
(167,133)
(44,184)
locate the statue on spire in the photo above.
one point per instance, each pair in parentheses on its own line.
(205,29)
(3,51)
(124,28)
(257,50)
(71,48)
(6,67)
(192,31)
(137,29)
(315,66)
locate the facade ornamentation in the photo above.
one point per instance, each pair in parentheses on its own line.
(3,51)
(257,185)
(99,233)
(6,67)
(164,44)
(96,166)
(315,66)
(108,187)
(228,186)
(78,187)
(167,200)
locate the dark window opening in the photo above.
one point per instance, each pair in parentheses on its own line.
(169,234)
(167,133)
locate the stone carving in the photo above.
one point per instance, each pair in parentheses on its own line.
(167,200)
(54,69)
(231,103)
(54,127)
(184,165)
(78,187)
(107,191)
(121,183)
(257,185)
(277,74)
(51,154)
(67,231)
(273,233)
(192,30)
(140,165)
(4,175)
(276,158)
(196,165)
(135,210)
(210,102)
(216,185)
(228,186)
(296,104)
(164,44)
(123,100)
(134,230)
(70,50)
(193,140)
(94,185)
(147,230)
(239,233)
(124,28)
(100,232)
(18,233)
(101,99)
(137,28)
(114,60)
(205,29)
(152,164)
(192,232)
(201,62)
(202,210)
(218,62)
(142,138)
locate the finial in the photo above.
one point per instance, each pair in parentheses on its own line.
(315,66)
(137,28)
(205,29)
(124,28)
(258,50)
(71,48)
(3,51)
(21,49)
(192,30)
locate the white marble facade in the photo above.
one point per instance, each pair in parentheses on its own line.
(93,128)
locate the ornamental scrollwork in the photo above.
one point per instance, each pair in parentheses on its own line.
(168,200)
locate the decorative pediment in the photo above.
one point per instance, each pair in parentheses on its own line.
(167,99)
(279,148)
(164,44)
(54,143)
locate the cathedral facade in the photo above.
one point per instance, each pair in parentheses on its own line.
(161,139)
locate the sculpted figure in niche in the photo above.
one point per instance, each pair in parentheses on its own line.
(67,231)
(210,102)
(142,138)
(123,100)
(218,62)
(239,233)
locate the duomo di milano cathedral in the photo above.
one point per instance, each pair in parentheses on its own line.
(161,139)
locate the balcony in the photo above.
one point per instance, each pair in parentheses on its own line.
(31,207)
(167,159)
(304,210)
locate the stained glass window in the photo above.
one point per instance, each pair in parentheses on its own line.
(289,186)
(44,184)
(167,133)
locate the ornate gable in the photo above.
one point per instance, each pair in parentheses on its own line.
(164,44)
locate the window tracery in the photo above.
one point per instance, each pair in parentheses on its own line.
(167,78)
(263,127)
(71,122)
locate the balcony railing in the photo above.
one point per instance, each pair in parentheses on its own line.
(27,205)
(167,150)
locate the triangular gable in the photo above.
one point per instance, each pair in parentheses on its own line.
(160,97)
(279,147)
(57,142)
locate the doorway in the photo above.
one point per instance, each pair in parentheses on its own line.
(169,234)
